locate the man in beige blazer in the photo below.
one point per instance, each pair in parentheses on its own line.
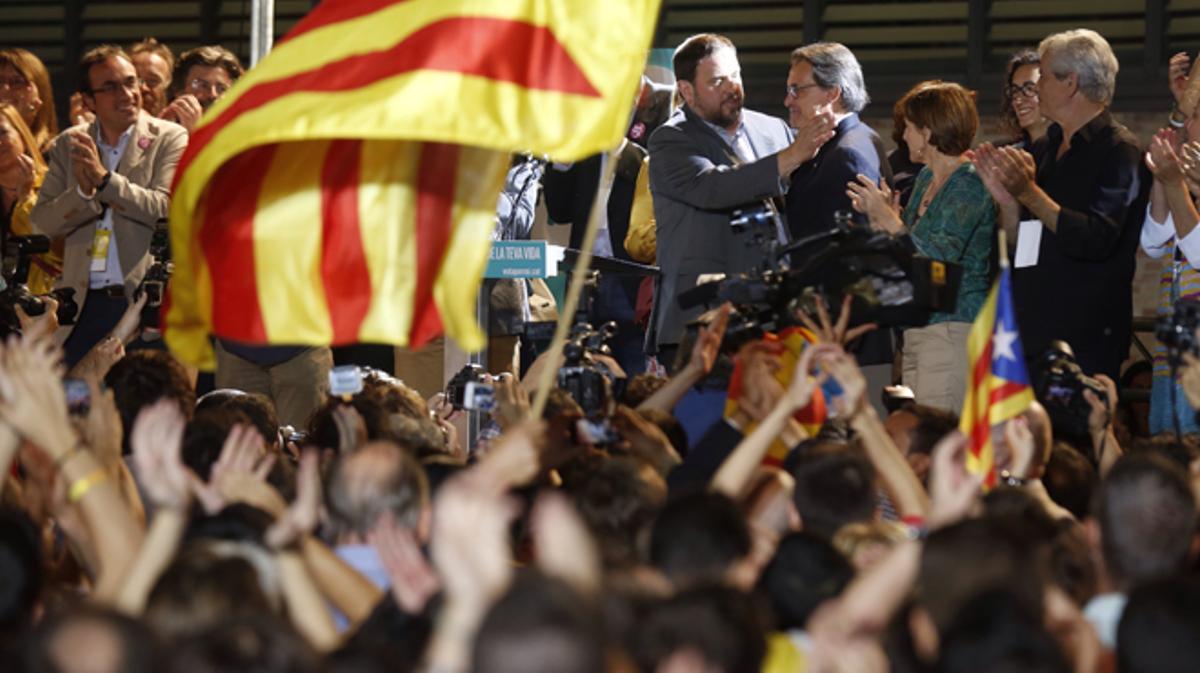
(108,185)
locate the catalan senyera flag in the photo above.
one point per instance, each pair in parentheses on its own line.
(792,342)
(344,189)
(998,383)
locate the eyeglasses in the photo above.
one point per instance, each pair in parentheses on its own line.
(13,83)
(793,90)
(129,84)
(197,85)
(154,82)
(1028,90)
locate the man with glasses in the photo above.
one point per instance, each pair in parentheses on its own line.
(106,189)
(709,159)
(825,78)
(202,76)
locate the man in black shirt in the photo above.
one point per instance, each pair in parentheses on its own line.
(1082,203)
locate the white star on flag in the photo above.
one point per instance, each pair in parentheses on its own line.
(1002,344)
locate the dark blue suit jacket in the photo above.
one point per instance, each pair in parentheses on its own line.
(818,188)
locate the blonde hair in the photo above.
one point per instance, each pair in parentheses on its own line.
(852,537)
(45,122)
(32,150)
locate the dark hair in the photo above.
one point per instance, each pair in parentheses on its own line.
(261,644)
(377,478)
(671,427)
(805,572)
(835,65)
(397,397)
(947,110)
(933,423)
(205,437)
(833,488)
(323,430)
(695,49)
(139,651)
(972,556)
(1147,515)
(95,56)
(697,537)
(258,408)
(211,56)
(1158,627)
(202,589)
(717,622)
(996,632)
(1070,479)
(615,501)
(1008,118)
(540,625)
(144,377)
(21,572)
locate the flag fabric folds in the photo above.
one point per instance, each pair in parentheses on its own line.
(344,189)
(998,383)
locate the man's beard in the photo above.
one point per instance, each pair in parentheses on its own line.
(725,115)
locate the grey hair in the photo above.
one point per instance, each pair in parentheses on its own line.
(1086,54)
(834,65)
(377,478)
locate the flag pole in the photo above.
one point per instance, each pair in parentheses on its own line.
(566,315)
(1003,243)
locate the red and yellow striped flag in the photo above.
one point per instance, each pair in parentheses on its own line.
(344,189)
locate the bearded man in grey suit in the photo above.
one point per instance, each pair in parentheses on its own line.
(710,158)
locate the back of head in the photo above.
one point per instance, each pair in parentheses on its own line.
(258,409)
(85,638)
(947,110)
(374,480)
(833,488)
(671,427)
(540,625)
(933,423)
(20,573)
(835,65)
(695,49)
(1070,479)
(143,377)
(204,586)
(616,502)
(396,396)
(1147,516)
(1159,627)
(805,572)
(716,628)
(1087,55)
(247,645)
(996,633)
(971,557)
(699,538)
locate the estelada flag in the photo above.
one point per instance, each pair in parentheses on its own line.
(998,384)
(344,189)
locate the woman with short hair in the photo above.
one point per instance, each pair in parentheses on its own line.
(949,218)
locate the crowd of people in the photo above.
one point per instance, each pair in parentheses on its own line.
(270,526)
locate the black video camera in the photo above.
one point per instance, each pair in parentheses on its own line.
(1059,384)
(468,389)
(1177,330)
(585,379)
(18,257)
(154,283)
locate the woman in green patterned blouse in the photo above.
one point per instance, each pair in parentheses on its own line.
(950,217)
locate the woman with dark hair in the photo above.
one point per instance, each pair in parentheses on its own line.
(25,84)
(950,218)
(1020,111)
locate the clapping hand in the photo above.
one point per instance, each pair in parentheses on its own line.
(157,443)
(85,160)
(1177,75)
(953,491)
(185,111)
(877,201)
(1162,159)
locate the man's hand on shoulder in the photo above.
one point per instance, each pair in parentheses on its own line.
(810,137)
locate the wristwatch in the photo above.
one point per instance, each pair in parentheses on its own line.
(1176,118)
(103,182)
(1010,479)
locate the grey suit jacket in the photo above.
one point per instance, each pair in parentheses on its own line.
(138,193)
(697,183)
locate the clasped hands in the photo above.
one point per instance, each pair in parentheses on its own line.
(86,165)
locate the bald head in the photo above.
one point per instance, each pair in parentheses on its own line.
(376,479)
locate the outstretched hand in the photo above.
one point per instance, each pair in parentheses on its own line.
(953,490)
(157,444)
(835,333)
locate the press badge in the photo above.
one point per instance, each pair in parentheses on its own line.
(100,244)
